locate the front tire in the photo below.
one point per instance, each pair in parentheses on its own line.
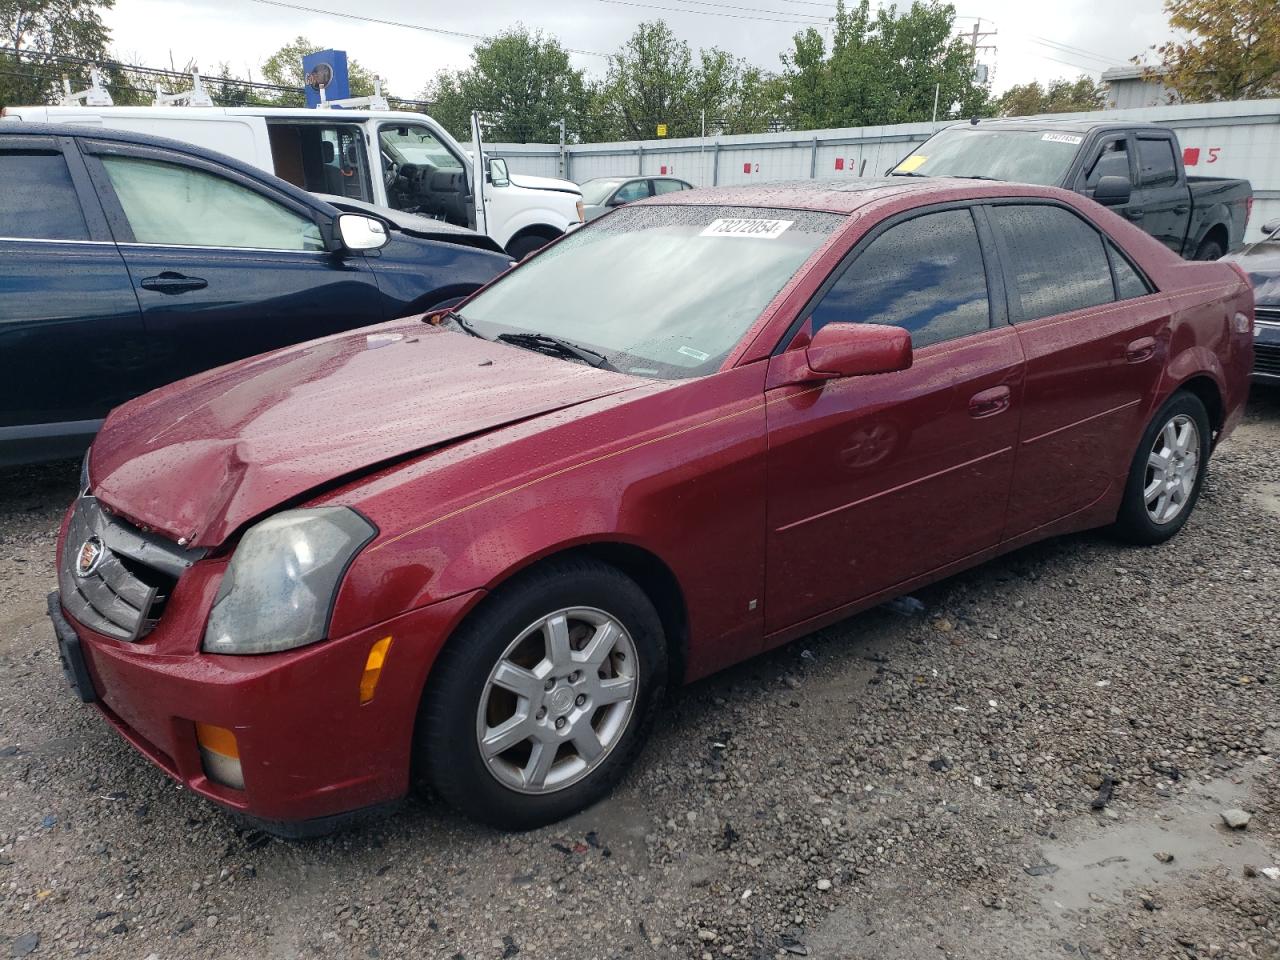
(527,244)
(1167,472)
(541,700)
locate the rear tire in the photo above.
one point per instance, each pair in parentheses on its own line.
(1167,472)
(527,717)
(1210,249)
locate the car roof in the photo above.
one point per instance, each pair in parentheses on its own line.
(20,128)
(847,196)
(1053,123)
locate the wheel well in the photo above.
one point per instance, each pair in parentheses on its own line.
(660,586)
(1207,391)
(1216,232)
(542,231)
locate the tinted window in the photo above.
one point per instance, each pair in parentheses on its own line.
(1113,161)
(1129,282)
(43,175)
(172,204)
(1056,260)
(925,275)
(667,186)
(635,190)
(1157,164)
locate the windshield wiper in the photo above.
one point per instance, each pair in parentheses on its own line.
(975,176)
(464,324)
(908,173)
(545,343)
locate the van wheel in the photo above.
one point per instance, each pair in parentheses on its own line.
(528,243)
(541,700)
(1167,472)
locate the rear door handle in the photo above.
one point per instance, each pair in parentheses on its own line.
(1141,349)
(171,283)
(1181,210)
(989,402)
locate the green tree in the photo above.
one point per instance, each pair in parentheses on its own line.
(41,31)
(284,68)
(1060,96)
(521,81)
(1232,50)
(883,67)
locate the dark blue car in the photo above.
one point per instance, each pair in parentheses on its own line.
(129,261)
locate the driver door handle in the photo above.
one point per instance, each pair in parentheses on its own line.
(1141,349)
(170,282)
(1135,213)
(989,402)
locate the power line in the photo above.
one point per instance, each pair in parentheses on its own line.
(399,23)
(711,13)
(730,6)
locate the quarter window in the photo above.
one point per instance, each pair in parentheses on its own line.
(667,186)
(42,175)
(1056,261)
(1156,162)
(1129,283)
(172,204)
(925,275)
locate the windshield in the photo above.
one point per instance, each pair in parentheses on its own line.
(416,144)
(1023,156)
(660,291)
(595,192)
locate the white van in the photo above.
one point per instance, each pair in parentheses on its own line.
(388,158)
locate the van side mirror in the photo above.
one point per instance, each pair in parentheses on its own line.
(359,232)
(498,175)
(858,349)
(1112,191)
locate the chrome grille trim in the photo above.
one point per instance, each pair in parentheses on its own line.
(124,595)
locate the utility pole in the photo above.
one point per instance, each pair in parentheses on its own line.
(564,164)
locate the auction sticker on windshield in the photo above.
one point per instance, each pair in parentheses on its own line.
(743,227)
(1070,138)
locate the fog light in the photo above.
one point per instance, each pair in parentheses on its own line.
(373,669)
(220,755)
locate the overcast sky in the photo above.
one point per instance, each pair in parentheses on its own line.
(1035,40)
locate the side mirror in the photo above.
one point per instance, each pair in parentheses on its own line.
(616,201)
(498,174)
(1112,191)
(359,232)
(858,349)
(1270,227)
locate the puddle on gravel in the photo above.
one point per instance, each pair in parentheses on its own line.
(1268,497)
(1120,857)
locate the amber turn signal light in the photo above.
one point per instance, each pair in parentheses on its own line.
(373,669)
(220,755)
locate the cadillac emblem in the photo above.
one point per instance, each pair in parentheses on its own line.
(91,553)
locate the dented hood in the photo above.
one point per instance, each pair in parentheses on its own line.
(198,459)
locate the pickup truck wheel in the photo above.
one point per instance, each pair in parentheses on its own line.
(542,699)
(1210,249)
(1167,472)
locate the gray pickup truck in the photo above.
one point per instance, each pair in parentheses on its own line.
(1134,168)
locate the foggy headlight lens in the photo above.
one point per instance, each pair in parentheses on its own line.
(279,589)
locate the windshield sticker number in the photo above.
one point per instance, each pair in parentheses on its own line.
(696,354)
(1070,138)
(911,164)
(741,227)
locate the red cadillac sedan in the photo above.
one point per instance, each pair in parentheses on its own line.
(473,549)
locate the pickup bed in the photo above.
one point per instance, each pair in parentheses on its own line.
(1200,218)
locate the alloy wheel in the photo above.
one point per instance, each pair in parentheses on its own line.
(558,700)
(1172,468)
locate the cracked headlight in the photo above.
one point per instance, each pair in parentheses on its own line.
(279,589)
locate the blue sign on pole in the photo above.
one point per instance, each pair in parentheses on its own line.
(327,69)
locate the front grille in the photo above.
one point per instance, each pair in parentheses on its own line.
(123,592)
(1268,314)
(1266,359)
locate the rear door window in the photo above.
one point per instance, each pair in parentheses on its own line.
(1055,260)
(176,205)
(1157,165)
(40,175)
(667,186)
(926,275)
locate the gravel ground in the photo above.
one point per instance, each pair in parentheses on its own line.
(1033,766)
